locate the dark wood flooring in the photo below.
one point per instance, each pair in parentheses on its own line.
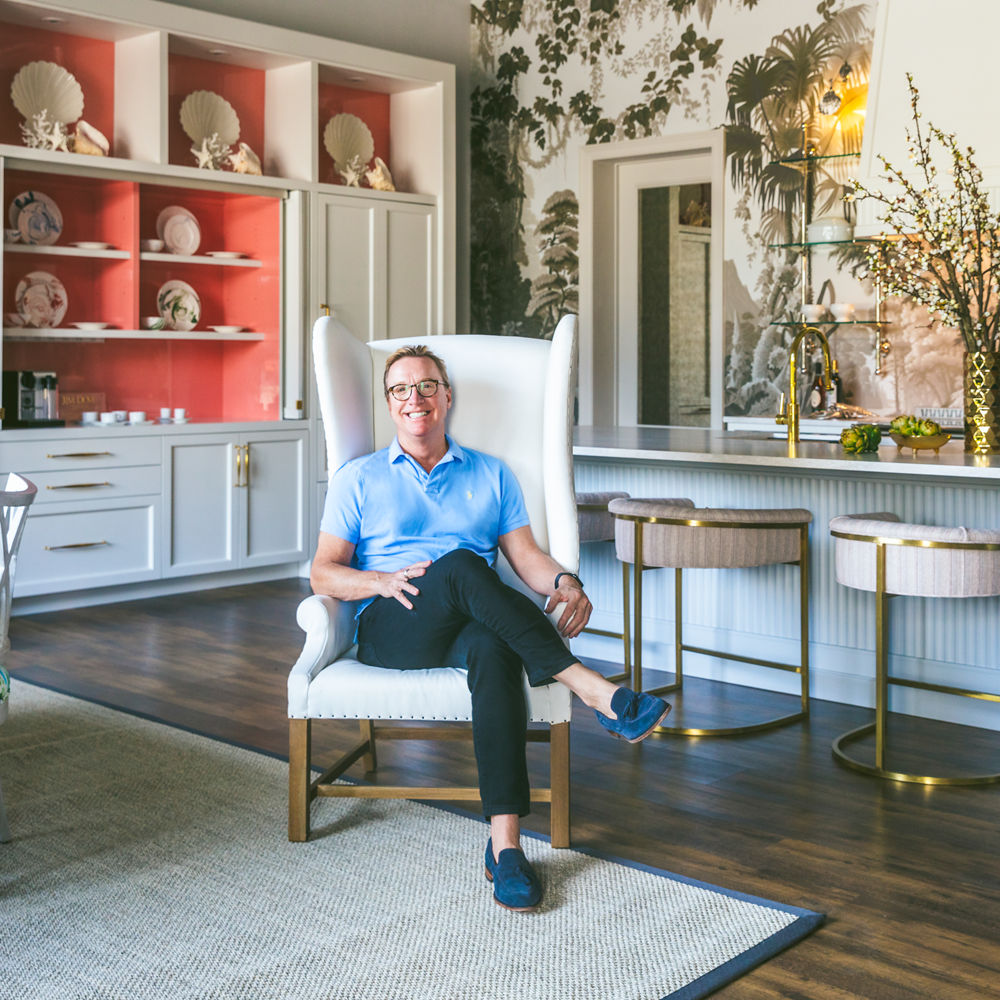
(908,875)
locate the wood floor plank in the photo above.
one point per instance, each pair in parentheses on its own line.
(907,874)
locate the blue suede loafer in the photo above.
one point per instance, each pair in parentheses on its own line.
(638,714)
(515,884)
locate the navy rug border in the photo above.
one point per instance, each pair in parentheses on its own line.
(806,921)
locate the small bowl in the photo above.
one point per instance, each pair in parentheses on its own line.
(153,323)
(843,312)
(811,312)
(151,246)
(921,442)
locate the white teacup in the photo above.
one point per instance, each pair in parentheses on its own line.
(120,416)
(180,413)
(843,312)
(88,417)
(136,416)
(812,312)
(108,417)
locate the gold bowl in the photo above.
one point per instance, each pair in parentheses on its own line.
(921,441)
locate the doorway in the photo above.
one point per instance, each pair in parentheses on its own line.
(651,282)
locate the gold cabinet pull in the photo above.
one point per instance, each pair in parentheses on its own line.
(78,486)
(239,465)
(80,454)
(246,465)
(75,545)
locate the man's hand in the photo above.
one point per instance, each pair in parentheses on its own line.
(576,613)
(398,584)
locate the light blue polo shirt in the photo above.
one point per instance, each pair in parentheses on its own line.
(395,513)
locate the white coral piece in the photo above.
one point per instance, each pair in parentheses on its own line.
(38,132)
(351,171)
(212,154)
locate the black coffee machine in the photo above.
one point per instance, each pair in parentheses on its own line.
(31,399)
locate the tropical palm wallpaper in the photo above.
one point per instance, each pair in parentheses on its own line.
(552,75)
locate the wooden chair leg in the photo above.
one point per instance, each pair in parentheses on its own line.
(299,734)
(368,734)
(559,779)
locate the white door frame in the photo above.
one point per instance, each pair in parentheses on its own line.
(603,347)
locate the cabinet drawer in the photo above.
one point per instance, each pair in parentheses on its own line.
(88,484)
(55,454)
(105,545)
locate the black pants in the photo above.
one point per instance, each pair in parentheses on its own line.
(466,616)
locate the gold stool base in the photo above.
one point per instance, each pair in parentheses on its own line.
(874,770)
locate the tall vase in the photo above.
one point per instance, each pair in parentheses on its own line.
(982,402)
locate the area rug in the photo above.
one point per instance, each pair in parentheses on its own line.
(148,861)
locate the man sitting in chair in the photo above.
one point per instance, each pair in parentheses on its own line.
(412,533)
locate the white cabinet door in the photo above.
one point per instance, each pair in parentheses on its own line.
(275,498)
(377,272)
(202,499)
(235,501)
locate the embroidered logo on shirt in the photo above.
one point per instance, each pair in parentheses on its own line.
(468,494)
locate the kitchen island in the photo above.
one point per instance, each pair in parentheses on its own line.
(753,611)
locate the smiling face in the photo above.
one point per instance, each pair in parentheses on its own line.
(419,420)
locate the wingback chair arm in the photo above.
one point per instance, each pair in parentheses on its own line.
(329,628)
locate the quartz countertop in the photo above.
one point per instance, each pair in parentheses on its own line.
(696,446)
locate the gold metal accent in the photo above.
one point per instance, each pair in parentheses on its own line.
(788,412)
(883,678)
(75,545)
(626,674)
(78,486)
(80,454)
(325,308)
(982,402)
(246,465)
(239,465)
(680,647)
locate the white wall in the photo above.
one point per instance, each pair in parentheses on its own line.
(433,29)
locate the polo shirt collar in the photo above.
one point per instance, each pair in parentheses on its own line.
(453,454)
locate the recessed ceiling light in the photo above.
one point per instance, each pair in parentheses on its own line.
(52,19)
(356,79)
(218,52)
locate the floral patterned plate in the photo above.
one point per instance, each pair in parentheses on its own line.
(178,303)
(41,299)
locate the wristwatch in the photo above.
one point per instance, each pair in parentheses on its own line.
(559,576)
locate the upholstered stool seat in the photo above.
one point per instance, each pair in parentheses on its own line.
(596,524)
(654,533)
(881,554)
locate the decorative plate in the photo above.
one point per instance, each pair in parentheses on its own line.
(41,299)
(36,217)
(225,254)
(90,325)
(179,230)
(91,245)
(227,329)
(178,303)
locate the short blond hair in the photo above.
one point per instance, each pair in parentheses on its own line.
(413,351)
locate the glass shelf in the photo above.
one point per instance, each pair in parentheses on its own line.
(830,322)
(817,158)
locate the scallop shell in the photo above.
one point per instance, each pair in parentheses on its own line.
(346,137)
(90,140)
(204,114)
(46,86)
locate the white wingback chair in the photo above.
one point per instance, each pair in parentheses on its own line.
(511,398)
(16,497)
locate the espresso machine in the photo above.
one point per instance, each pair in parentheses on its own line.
(31,399)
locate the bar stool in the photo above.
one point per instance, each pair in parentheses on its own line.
(655,533)
(880,553)
(597,525)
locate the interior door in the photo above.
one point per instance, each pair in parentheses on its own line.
(663,229)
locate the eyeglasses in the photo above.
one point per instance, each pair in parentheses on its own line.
(426,387)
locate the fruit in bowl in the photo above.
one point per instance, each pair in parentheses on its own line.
(917,433)
(860,439)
